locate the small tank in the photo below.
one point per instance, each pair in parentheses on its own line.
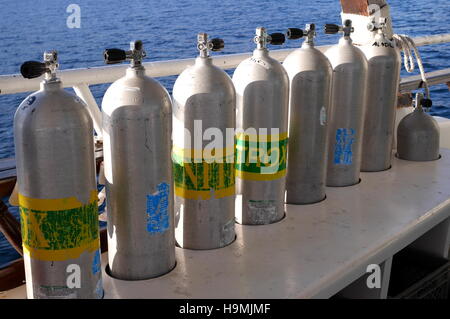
(418,134)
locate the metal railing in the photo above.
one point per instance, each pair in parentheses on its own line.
(412,83)
(81,79)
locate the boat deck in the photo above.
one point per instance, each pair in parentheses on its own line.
(317,250)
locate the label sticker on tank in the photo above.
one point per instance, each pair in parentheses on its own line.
(262,211)
(343,150)
(203,179)
(58,229)
(323,116)
(261,157)
(99,289)
(383,44)
(228,233)
(158,210)
(56,292)
(96,263)
(31,100)
(260,62)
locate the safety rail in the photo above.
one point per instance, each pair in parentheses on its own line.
(81,79)
(412,83)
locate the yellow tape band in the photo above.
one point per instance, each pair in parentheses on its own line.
(262,137)
(53,204)
(61,254)
(59,229)
(204,195)
(260,177)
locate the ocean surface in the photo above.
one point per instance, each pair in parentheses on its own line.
(169,29)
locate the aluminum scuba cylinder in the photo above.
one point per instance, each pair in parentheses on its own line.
(137,119)
(54,146)
(310,75)
(418,134)
(346,123)
(204,121)
(262,97)
(384,64)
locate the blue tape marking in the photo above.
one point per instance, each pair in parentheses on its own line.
(157,209)
(343,153)
(99,289)
(96,264)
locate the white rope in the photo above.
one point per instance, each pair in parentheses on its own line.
(408,46)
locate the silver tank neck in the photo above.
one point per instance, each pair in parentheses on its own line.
(307,44)
(345,40)
(203,60)
(51,85)
(135,70)
(261,52)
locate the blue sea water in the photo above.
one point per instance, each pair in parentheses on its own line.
(169,28)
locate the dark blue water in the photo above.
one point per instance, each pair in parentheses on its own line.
(169,28)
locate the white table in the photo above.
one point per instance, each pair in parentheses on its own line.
(318,250)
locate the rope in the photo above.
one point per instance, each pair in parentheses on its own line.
(408,46)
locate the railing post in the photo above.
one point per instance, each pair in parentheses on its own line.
(83,91)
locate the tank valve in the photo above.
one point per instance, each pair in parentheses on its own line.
(34,69)
(309,33)
(423,103)
(204,46)
(347,28)
(136,54)
(427,103)
(381,25)
(262,38)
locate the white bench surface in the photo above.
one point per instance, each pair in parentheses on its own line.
(316,250)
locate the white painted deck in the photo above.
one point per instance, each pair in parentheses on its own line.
(320,249)
(317,250)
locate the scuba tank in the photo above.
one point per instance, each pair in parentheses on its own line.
(262,93)
(310,75)
(137,115)
(54,146)
(346,124)
(384,78)
(204,114)
(418,134)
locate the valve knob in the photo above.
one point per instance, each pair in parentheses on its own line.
(348,23)
(217,44)
(113,56)
(294,33)
(277,38)
(32,69)
(138,45)
(426,103)
(331,28)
